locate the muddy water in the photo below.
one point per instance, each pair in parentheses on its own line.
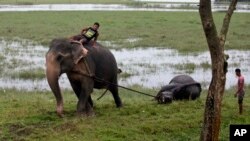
(148,67)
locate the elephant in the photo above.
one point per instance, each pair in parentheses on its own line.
(180,87)
(81,65)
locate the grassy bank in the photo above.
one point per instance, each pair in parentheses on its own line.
(31,116)
(162,29)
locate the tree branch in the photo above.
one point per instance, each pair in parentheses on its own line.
(227,18)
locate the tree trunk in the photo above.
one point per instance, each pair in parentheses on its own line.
(212,114)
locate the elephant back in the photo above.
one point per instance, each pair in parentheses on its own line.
(169,87)
(102,62)
(194,90)
(182,79)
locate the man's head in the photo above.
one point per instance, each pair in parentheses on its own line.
(96,25)
(238,72)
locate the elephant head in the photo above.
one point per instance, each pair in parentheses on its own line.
(164,97)
(62,56)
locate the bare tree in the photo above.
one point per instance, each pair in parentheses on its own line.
(212,115)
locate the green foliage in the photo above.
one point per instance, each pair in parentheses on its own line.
(31,116)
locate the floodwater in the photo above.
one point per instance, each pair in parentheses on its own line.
(188,7)
(148,67)
(154,67)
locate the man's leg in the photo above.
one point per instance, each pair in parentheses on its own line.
(83,40)
(76,38)
(240,108)
(240,102)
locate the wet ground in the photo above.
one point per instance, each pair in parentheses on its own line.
(149,67)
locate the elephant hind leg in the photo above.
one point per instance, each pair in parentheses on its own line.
(114,91)
(90,101)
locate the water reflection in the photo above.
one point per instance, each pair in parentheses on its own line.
(148,67)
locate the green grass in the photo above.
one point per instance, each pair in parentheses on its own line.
(31,116)
(161,29)
(187,67)
(30,74)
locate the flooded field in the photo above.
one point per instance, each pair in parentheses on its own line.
(22,65)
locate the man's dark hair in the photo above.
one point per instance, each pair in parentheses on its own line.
(237,70)
(96,23)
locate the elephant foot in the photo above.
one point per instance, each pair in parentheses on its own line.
(81,114)
(85,115)
(61,115)
(91,114)
(89,111)
(59,111)
(120,105)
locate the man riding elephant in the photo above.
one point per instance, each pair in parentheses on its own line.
(87,34)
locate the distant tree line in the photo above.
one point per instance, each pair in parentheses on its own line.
(231,0)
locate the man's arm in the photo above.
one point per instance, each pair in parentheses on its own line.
(84,30)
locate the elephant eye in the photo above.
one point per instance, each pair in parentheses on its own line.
(59,58)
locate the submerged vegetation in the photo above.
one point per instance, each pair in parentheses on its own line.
(188,67)
(29,74)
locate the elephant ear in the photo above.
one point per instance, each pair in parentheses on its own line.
(78,51)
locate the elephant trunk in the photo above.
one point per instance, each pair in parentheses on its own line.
(53,74)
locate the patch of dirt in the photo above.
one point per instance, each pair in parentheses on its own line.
(66,127)
(18,131)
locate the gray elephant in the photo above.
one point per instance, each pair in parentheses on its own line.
(81,65)
(180,87)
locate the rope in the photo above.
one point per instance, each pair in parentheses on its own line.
(109,83)
(102,94)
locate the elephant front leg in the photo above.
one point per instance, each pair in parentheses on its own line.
(59,109)
(84,107)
